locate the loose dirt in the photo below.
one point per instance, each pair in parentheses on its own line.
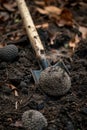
(18,91)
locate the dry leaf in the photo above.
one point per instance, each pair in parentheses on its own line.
(83,30)
(50,10)
(41,11)
(66,17)
(53,10)
(13,88)
(40,3)
(17,124)
(61,17)
(74,41)
(44,25)
(9,7)
(53,38)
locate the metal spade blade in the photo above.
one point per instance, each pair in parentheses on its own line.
(36,73)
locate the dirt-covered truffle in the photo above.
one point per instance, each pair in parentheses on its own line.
(34,120)
(8,53)
(54,81)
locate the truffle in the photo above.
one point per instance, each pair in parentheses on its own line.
(55,81)
(8,53)
(34,120)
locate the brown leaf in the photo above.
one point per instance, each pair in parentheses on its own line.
(44,25)
(14,89)
(66,17)
(49,10)
(41,11)
(9,7)
(83,30)
(60,16)
(53,10)
(40,3)
(74,41)
(17,124)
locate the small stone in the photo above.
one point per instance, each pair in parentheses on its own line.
(34,120)
(3,65)
(40,106)
(14,79)
(84,110)
(23,84)
(6,90)
(37,102)
(55,81)
(70,126)
(24,90)
(36,105)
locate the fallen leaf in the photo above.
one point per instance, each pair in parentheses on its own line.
(66,17)
(14,89)
(74,41)
(40,3)
(53,10)
(17,124)
(83,30)
(44,25)
(50,10)
(9,7)
(61,16)
(41,11)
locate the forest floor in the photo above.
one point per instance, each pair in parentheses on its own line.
(64,36)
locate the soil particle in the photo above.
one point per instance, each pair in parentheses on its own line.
(37,102)
(81,50)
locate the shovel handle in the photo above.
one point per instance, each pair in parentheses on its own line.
(31,30)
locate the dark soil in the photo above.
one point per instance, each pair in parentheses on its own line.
(68,112)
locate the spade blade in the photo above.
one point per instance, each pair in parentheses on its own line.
(36,75)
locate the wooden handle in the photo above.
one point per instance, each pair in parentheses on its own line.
(31,30)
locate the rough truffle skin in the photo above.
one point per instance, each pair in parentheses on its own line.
(8,53)
(54,81)
(34,120)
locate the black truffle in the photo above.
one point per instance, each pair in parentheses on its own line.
(54,81)
(34,120)
(8,53)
